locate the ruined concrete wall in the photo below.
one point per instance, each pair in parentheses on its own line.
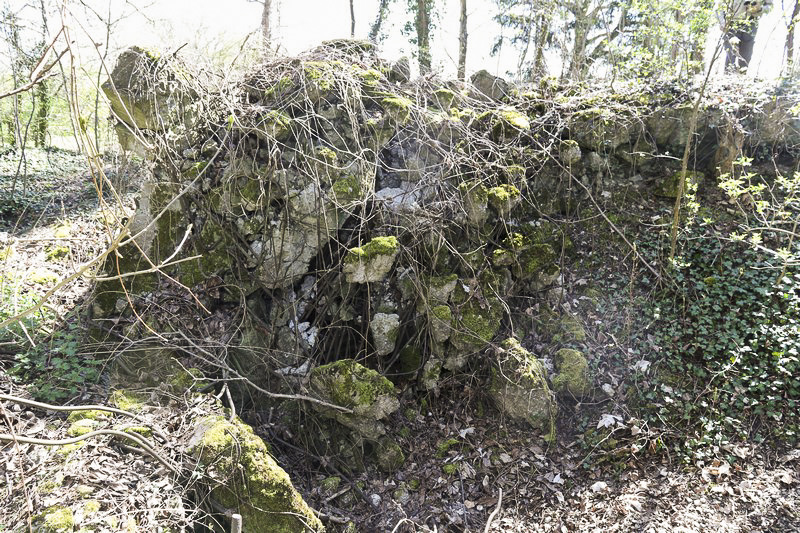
(332,219)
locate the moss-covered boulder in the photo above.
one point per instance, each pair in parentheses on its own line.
(519,386)
(569,152)
(368,396)
(371,262)
(572,374)
(489,87)
(249,481)
(600,129)
(389,455)
(474,201)
(148,92)
(503,199)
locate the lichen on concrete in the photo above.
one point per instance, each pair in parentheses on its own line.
(384,328)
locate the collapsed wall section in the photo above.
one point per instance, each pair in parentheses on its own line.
(325,210)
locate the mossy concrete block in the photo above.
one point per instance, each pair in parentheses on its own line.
(249,480)
(489,87)
(369,396)
(440,319)
(572,377)
(475,199)
(371,262)
(503,199)
(400,70)
(439,288)
(504,124)
(599,129)
(389,455)
(668,188)
(569,152)
(398,108)
(519,387)
(444,98)
(384,328)
(474,326)
(274,125)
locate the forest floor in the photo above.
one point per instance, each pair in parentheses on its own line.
(466,468)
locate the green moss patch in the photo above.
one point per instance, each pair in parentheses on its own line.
(250,480)
(398,108)
(573,373)
(55,520)
(82,427)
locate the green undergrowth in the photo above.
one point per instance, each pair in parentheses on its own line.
(730,339)
(56,368)
(710,351)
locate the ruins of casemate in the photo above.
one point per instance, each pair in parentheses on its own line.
(330,228)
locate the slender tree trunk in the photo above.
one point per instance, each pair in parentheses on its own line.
(352,20)
(790,38)
(542,29)
(266,30)
(462,43)
(423,36)
(579,45)
(523,55)
(41,94)
(100,71)
(375,31)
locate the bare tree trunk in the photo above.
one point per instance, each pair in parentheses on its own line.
(790,38)
(423,36)
(462,43)
(543,29)
(266,30)
(579,45)
(352,20)
(375,31)
(41,94)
